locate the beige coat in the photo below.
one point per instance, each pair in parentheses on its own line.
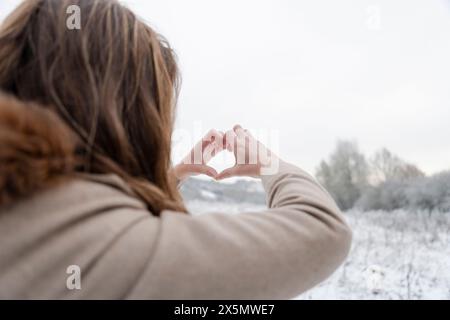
(96,223)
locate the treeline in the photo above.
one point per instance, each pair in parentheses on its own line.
(381,182)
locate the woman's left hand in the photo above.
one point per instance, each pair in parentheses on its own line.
(196,161)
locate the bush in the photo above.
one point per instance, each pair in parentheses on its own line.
(425,193)
(431,193)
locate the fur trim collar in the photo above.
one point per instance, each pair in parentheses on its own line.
(36,148)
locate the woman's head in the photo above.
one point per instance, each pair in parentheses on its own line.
(113,82)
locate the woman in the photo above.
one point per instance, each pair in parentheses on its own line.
(86,118)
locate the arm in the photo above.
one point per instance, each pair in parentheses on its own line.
(299,241)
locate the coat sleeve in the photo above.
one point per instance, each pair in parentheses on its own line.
(276,254)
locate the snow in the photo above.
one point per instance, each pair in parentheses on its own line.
(394,255)
(208,194)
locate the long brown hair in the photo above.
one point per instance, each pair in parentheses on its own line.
(113,82)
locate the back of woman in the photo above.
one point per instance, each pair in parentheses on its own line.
(86,183)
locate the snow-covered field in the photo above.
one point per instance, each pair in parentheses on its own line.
(395,255)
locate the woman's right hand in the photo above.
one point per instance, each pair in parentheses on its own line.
(252,157)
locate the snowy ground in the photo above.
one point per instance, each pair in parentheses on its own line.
(395,255)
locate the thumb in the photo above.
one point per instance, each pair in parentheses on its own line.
(227,173)
(204,169)
(194,169)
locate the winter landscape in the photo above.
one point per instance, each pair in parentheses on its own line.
(398,254)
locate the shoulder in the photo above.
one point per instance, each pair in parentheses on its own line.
(92,222)
(94,192)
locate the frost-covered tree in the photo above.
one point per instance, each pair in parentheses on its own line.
(385,182)
(393,183)
(388,195)
(431,193)
(385,166)
(421,193)
(344,174)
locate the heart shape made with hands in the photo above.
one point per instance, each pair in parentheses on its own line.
(237,141)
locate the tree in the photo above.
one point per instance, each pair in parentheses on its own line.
(430,193)
(385,166)
(345,174)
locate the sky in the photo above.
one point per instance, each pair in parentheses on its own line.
(304,74)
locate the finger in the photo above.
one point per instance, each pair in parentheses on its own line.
(222,139)
(239,130)
(230,139)
(208,153)
(209,138)
(248,133)
(212,133)
(227,173)
(213,136)
(239,171)
(197,153)
(202,169)
(212,144)
(209,171)
(226,137)
(211,150)
(242,143)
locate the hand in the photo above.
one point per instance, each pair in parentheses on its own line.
(250,154)
(196,161)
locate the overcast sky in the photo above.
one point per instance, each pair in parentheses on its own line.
(377,72)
